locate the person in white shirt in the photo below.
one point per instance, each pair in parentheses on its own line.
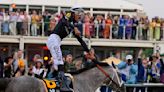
(12,25)
(38,71)
(19,25)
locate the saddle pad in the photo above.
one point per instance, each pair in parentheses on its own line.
(50,85)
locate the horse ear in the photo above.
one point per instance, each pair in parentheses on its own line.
(113,65)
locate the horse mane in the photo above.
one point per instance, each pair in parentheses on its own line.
(103,64)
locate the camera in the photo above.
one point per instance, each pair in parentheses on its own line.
(129,61)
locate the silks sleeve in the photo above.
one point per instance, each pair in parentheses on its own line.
(83,44)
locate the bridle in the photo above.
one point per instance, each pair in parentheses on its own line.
(107,75)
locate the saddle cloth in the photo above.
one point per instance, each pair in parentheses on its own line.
(51,85)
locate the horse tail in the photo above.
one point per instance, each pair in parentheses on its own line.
(4,83)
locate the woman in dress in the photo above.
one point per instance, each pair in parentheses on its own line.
(108,23)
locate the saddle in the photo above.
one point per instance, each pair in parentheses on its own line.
(52,85)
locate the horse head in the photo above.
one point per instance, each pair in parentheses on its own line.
(116,83)
(91,78)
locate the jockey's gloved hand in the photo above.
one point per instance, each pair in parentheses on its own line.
(90,55)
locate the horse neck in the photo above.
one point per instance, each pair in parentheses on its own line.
(89,80)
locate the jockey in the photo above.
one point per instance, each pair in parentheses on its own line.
(66,25)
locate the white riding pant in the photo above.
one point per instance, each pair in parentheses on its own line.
(53,44)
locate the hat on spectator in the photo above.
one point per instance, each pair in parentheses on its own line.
(39,61)
(37,56)
(129,57)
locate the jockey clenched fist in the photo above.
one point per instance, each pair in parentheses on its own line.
(90,55)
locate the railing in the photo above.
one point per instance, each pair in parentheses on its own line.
(145,85)
(97,31)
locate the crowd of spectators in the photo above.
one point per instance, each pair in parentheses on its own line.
(144,70)
(16,66)
(128,27)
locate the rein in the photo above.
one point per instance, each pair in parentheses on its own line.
(106,74)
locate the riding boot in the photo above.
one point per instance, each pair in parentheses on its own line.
(52,74)
(63,80)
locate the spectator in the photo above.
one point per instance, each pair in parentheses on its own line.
(6,24)
(115,28)
(154,72)
(162,71)
(134,27)
(129,71)
(162,30)
(157,29)
(155,67)
(145,28)
(35,58)
(92,26)
(46,20)
(19,24)
(99,25)
(121,27)
(152,29)
(69,63)
(80,26)
(25,24)
(17,59)
(1,19)
(38,70)
(20,70)
(39,24)
(128,30)
(34,21)
(140,29)
(8,67)
(108,23)
(87,26)
(142,71)
(12,25)
(1,67)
